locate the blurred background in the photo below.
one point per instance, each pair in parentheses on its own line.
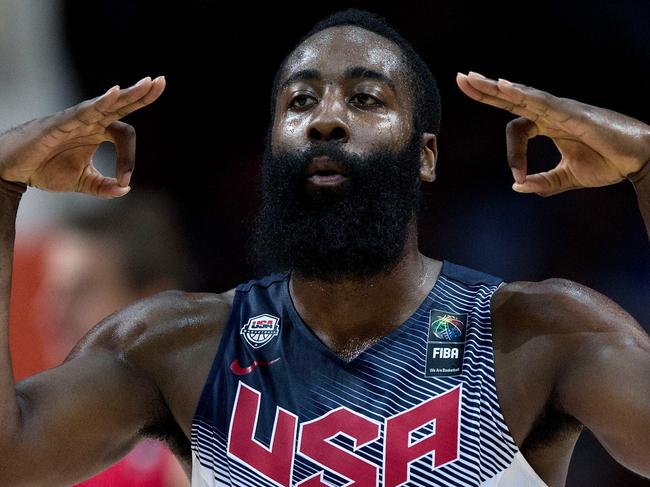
(187,221)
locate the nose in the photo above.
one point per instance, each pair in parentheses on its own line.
(328,124)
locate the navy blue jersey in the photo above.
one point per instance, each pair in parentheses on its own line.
(419,407)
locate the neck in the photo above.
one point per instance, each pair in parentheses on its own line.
(351,314)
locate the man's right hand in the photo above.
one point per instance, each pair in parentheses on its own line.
(54,153)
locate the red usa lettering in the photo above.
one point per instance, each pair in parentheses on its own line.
(260,326)
(400,450)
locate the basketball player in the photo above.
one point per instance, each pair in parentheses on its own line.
(358,361)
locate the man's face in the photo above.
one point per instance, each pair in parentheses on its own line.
(342,167)
(324,95)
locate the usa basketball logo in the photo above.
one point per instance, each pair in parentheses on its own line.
(447,327)
(260,330)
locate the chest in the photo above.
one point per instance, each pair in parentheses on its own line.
(290,409)
(522,368)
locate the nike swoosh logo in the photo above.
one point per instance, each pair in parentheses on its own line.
(237,369)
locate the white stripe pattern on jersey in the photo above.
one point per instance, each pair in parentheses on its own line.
(391,378)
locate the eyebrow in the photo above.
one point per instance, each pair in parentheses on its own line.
(353,72)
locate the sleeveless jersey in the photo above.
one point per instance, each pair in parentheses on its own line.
(417,408)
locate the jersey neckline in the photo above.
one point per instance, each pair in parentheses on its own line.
(386,340)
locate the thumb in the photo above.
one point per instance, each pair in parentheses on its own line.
(95,183)
(547,183)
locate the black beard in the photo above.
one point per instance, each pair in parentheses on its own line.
(352,231)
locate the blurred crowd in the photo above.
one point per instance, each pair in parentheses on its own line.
(88,263)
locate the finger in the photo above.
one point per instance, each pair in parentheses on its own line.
(476,93)
(95,183)
(543,105)
(546,183)
(84,113)
(122,135)
(91,111)
(125,96)
(561,111)
(484,97)
(518,132)
(109,188)
(157,87)
(112,105)
(96,109)
(131,94)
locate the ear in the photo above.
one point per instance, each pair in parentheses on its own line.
(428,157)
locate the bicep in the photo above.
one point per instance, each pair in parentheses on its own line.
(77,419)
(605,384)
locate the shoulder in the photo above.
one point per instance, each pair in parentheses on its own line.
(170,339)
(156,322)
(583,355)
(563,311)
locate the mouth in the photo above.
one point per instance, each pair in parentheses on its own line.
(323,171)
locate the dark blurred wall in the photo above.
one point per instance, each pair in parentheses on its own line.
(202,141)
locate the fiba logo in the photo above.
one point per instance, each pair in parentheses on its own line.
(447,327)
(260,330)
(445,344)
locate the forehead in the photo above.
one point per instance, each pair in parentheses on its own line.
(334,50)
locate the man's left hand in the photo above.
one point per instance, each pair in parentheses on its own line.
(598,146)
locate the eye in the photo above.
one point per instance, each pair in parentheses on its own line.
(366,100)
(302,101)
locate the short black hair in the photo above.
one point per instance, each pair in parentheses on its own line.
(426,97)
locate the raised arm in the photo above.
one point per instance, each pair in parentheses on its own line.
(65,424)
(604,381)
(592,363)
(598,146)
